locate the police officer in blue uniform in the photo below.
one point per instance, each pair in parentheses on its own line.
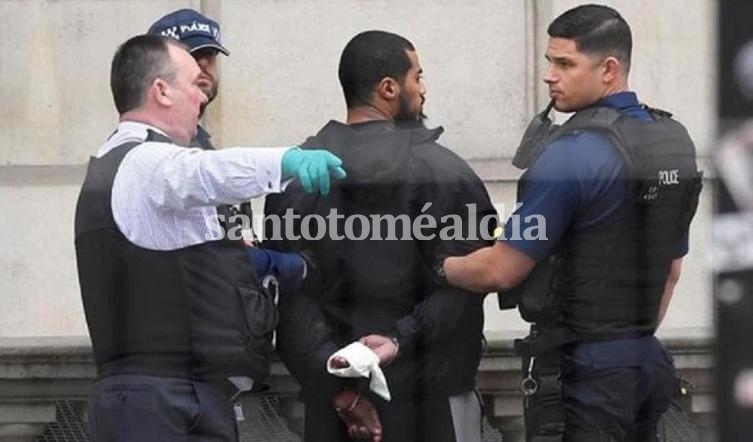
(593,254)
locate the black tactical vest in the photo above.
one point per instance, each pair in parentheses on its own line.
(195,312)
(606,280)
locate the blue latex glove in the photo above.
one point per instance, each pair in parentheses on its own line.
(287,267)
(312,168)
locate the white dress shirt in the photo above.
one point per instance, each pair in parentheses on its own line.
(164,195)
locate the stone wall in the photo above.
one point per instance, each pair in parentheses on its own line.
(483,61)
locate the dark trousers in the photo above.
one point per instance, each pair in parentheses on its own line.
(616,391)
(134,408)
(431,420)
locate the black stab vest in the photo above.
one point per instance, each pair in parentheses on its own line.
(606,281)
(195,312)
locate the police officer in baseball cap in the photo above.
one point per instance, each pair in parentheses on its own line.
(203,37)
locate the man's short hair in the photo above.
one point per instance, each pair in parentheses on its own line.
(368,58)
(136,64)
(597,30)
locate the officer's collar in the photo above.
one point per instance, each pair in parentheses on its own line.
(620,100)
(202,134)
(136,129)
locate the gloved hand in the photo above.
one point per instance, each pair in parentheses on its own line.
(312,168)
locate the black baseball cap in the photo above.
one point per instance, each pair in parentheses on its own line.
(190,27)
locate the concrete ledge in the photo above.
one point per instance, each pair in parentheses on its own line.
(36,372)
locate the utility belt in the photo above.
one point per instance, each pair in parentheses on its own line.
(544,412)
(541,352)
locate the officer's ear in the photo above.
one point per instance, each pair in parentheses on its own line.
(388,89)
(611,69)
(160,91)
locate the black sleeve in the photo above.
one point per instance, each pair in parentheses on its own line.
(305,340)
(450,185)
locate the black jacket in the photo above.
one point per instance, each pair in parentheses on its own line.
(359,287)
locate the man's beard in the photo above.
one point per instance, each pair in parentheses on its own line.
(404,114)
(211,94)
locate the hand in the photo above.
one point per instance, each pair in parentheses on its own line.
(339,362)
(359,415)
(312,168)
(385,347)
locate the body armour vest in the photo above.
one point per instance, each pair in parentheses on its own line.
(196,312)
(607,280)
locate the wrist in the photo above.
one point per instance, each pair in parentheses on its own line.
(346,401)
(405,330)
(290,161)
(396,342)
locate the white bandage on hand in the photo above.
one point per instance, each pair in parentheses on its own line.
(363,362)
